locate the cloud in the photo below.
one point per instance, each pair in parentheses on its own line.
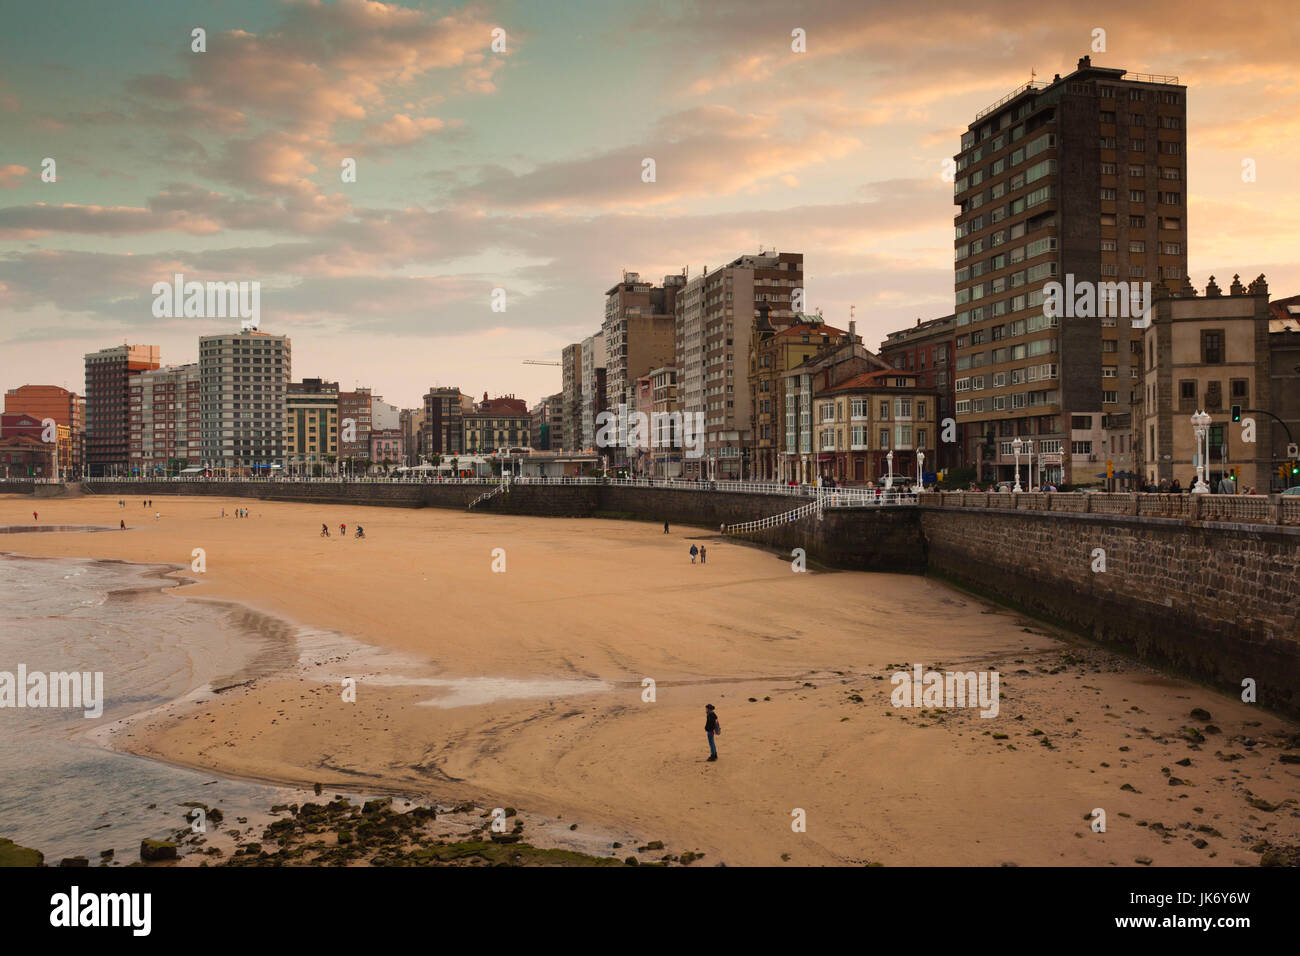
(11,176)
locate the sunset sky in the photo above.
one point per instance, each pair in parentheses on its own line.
(522,169)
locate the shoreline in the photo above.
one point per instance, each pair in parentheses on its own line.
(608,761)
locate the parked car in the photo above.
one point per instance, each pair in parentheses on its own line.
(1295,490)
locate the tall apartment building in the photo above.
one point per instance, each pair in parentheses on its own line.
(108,376)
(354,424)
(1081,181)
(715,315)
(243,377)
(594,365)
(571,376)
(165,420)
(65,407)
(639,334)
(773,351)
(927,349)
(311,426)
(442,430)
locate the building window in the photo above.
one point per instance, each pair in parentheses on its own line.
(1212,347)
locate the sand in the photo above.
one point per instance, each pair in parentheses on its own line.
(523,688)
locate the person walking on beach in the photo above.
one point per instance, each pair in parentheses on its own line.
(713,728)
(694,552)
(665,527)
(157,515)
(704,552)
(123,524)
(35,517)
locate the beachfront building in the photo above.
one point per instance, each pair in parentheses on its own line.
(547,429)
(926,349)
(23,451)
(826,368)
(715,316)
(773,351)
(571,388)
(243,377)
(667,439)
(311,427)
(593,396)
(108,376)
(67,409)
(491,430)
(1206,353)
(862,421)
(354,425)
(386,447)
(1284,387)
(411,421)
(165,420)
(1080,181)
(442,431)
(638,332)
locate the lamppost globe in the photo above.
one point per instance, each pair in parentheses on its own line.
(1200,426)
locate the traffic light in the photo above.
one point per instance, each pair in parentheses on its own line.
(1236,413)
(1295,468)
(1110,469)
(1234,473)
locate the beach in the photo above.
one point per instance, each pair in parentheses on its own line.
(523,687)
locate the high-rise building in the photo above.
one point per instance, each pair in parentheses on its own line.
(311,427)
(65,407)
(594,365)
(354,424)
(639,334)
(715,315)
(244,377)
(444,411)
(1081,181)
(165,420)
(108,376)
(571,376)
(926,349)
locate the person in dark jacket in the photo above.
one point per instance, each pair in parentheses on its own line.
(712,728)
(665,527)
(694,551)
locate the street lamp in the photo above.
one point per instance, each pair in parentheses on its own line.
(920,469)
(889,478)
(1201,426)
(1016,445)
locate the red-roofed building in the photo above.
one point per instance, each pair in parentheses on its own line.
(860,422)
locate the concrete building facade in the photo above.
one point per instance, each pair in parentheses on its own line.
(244,378)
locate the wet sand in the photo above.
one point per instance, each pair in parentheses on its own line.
(524,689)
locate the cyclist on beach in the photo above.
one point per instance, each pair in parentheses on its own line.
(324,531)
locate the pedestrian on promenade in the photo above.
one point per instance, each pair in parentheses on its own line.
(713,728)
(704,552)
(665,527)
(694,552)
(1176,487)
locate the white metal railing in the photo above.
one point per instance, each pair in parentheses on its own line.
(813,507)
(490,493)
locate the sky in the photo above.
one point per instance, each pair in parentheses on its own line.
(501,145)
